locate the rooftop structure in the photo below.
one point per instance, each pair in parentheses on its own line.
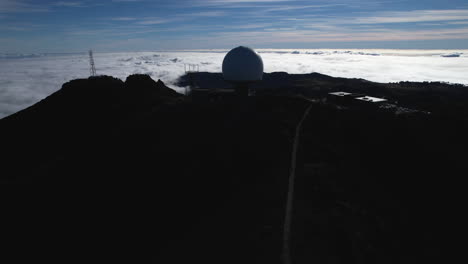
(371,99)
(343,97)
(356,99)
(341,94)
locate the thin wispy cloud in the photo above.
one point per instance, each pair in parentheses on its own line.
(301,7)
(236,3)
(205,14)
(219,23)
(124,18)
(251,26)
(457,23)
(18,6)
(311,36)
(155,21)
(69,4)
(246,1)
(14,28)
(365,27)
(171,19)
(122,1)
(414,16)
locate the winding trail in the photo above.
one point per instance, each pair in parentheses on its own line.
(286,254)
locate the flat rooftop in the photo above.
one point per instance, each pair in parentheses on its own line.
(340,94)
(371,99)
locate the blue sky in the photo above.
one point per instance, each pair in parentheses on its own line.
(145,25)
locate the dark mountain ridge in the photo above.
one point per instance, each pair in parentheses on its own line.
(374,184)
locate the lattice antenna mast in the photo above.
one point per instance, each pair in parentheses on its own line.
(91,63)
(189,70)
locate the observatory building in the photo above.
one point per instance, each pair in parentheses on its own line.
(242,66)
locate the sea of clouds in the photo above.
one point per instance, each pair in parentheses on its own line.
(27,78)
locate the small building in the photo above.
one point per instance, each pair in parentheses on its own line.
(340,94)
(371,100)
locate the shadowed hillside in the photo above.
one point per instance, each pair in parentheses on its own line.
(374,184)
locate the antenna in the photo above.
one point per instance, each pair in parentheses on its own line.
(91,63)
(189,70)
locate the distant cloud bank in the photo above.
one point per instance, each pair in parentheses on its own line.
(28,78)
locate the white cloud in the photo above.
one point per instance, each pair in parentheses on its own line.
(29,79)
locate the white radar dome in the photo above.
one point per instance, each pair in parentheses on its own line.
(242,64)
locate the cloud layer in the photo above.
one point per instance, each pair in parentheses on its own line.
(28,78)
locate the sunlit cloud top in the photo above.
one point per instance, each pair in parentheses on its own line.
(133,25)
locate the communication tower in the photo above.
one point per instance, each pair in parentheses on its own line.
(189,70)
(91,63)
